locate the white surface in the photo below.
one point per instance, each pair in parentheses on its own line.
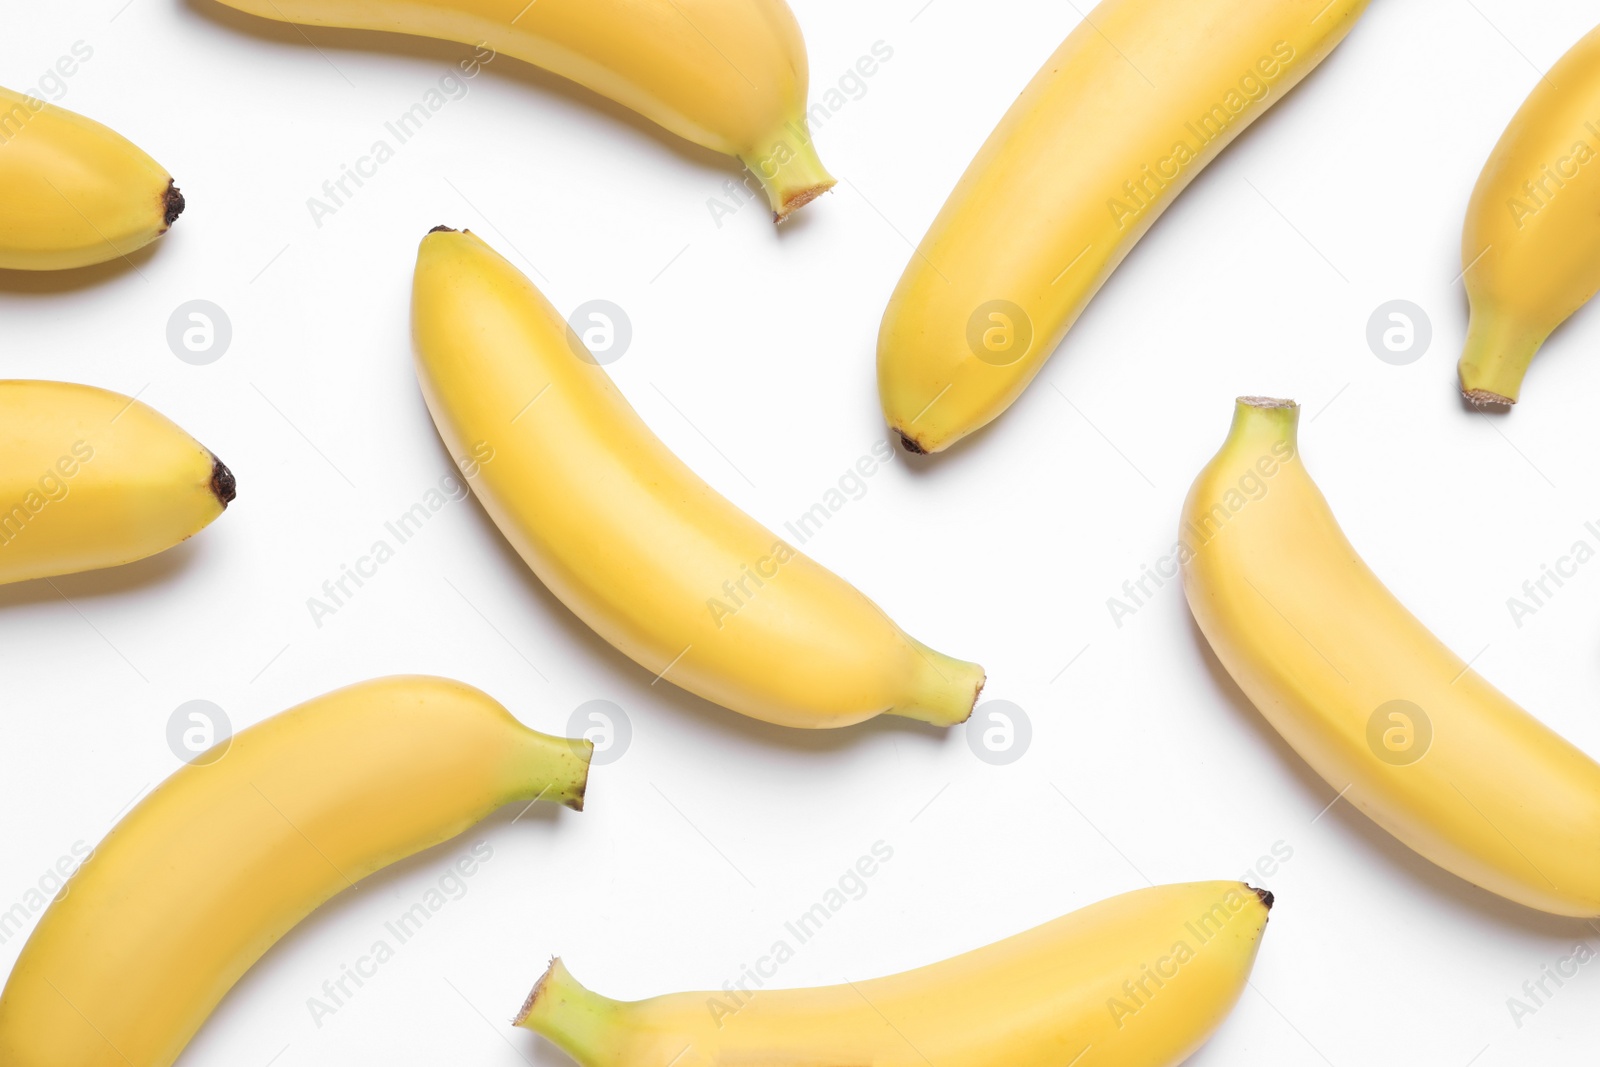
(753,357)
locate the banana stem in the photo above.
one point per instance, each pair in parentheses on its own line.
(789,169)
(551,768)
(581,1023)
(944,689)
(1496,357)
(1265,419)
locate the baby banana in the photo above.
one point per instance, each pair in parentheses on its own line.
(73,192)
(226,856)
(1391,718)
(1139,980)
(730,75)
(1530,251)
(629,538)
(1141,96)
(90,479)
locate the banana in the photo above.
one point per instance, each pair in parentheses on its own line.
(629,538)
(1390,717)
(73,192)
(730,75)
(90,478)
(1141,96)
(1140,980)
(226,856)
(1530,250)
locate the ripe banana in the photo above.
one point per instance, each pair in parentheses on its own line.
(629,538)
(730,75)
(1140,980)
(1141,96)
(1530,251)
(227,855)
(1378,706)
(73,192)
(90,478)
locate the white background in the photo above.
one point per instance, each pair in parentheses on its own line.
(753,358)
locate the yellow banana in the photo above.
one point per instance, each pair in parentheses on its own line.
(1390,717)
(226,856)
(1137,100)
(90,478)
(74,192)
(629,538)
(1530,250)
(730,75)
(1140,980)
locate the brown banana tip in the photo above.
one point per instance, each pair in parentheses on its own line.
(976,693)
(799,199)
(1484,398)
(910,444)
(1267,402)
(527,1005)
(173,203)
(1264,895)
(223,484)
(443,229)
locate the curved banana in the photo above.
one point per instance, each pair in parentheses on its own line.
(226,856)
(1530,250)
(90,478)
(629,538)
(1141,96)
(1140,980)
(73,192)
(730,75)
(1388,715)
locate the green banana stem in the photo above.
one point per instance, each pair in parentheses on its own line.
(945,689)
(1265,419)
(787,165)
(551,768)
(581,1023)
(1496,357)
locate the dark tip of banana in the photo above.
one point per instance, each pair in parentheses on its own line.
(443,229)
(174,202)
(223,483)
